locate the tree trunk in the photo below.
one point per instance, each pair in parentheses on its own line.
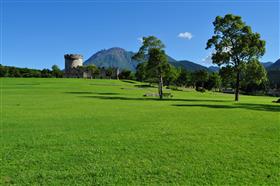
(160,84)
(237,86)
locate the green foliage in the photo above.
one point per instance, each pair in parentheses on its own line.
(126,74)
(200,78)
(150,42)
(184,78)
(228,76)
(56,72)
(157,67)
(171,75)
(214,81)
(157,64)
(141,72)
(235,44)
(254,77)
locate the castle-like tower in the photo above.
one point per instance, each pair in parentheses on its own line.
(72,62)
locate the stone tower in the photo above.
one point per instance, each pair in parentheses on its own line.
(72,61)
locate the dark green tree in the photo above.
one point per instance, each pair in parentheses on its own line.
(125,74)
(140,72)
(157,66)
(200,77)
(254,77)
(184,78)
(227,75)
(56,72)
(92,70)
(171,76)
(214,81)
(235,44)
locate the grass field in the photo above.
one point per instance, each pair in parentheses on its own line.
(76,131)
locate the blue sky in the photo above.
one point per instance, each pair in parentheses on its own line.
(36,34)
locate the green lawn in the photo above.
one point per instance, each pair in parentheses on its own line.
(90,132)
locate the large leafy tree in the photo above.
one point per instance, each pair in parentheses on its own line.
(157,67)
(235,44)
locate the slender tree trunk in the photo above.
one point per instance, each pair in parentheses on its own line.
(237,86)
(160,84)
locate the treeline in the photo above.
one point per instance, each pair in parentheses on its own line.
(56,72)
(9,71)
(254,79)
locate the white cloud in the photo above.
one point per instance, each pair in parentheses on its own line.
(185,35)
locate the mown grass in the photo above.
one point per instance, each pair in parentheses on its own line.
(90,132)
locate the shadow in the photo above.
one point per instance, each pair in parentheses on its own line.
(144,86)
(104,84)
(27,84)
(250,106)
(97,93)
(128,81)
(152,99)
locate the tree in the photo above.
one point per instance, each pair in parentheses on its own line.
(140,72)
(227,75)
(125,74)
(200,77)
(110,72)
(214,81)
(92,70)
(255,77)
(157,66)
(235,44)
(56,71)
(171,76)
(184,78)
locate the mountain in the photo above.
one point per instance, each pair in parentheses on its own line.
(113,57)
(188,65)
(275,66)
(120,58)
(214,68)
(267,64)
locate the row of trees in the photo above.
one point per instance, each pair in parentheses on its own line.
(254,78)
(7,71)
(55,71)
(236,48)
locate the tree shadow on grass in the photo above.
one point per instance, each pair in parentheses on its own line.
(250,106)
(151,99)
(129,81)
(97,93)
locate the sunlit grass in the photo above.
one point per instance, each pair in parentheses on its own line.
(76,131)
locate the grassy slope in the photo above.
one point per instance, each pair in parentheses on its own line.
(73,131)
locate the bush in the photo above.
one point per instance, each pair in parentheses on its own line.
(200,89)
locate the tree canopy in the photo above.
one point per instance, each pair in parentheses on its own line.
(235,44)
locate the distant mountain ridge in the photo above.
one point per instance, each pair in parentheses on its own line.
(267,64)
(113,57)
(120,58)
(188,65)
(275,65)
